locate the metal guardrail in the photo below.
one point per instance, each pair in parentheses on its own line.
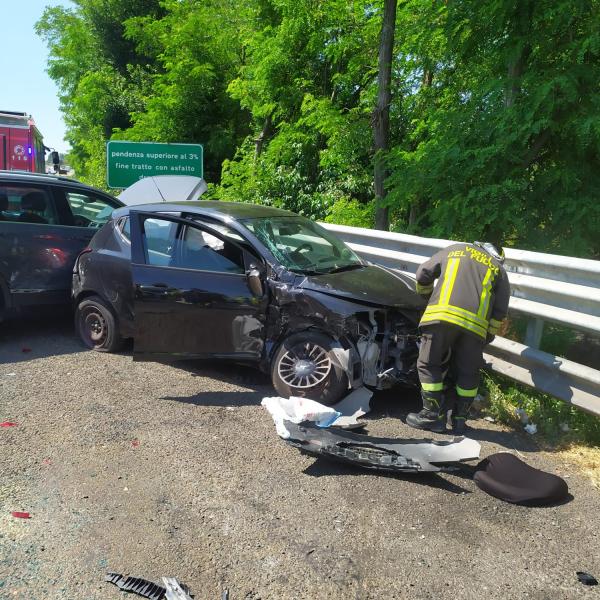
(545,287)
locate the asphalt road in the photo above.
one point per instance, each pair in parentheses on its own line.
(157,470)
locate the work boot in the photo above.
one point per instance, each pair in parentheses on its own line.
(460,412)
(432,417)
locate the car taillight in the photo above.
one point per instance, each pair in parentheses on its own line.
(76,265)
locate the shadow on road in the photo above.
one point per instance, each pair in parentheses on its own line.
(257,385)
(326,468)
(38,335)
(245,398)
(396,404)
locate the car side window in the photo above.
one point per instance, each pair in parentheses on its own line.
(169,244)
(27,204)
(89,210)
(159,236)
(124,226)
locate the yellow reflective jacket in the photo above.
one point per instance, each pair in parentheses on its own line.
(472,289)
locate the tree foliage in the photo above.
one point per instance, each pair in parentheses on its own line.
(494,110)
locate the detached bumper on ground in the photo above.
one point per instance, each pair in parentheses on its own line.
(382,454)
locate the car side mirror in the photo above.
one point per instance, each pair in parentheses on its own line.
(255,282)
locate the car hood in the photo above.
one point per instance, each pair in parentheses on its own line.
(370,284)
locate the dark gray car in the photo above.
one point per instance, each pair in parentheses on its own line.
(252,284)
(45,221)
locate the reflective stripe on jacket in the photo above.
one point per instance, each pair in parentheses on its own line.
(472,289)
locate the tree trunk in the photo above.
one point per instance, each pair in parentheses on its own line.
(263,136)
(416,205)
(516,65)
(381,116)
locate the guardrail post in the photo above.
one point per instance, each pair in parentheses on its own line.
(533,335)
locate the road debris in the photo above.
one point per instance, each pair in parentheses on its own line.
(20,515)
(173,590)
(352,407)
(25,350)
(531,428)
(522,415)
(135,443)
(298,410)
(507,477)
(381,454)
(8,424)
(489,419)
(586,578)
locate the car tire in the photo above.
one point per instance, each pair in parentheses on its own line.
(304,365)
(97,326)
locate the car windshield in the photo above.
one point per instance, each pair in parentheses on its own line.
(302,246)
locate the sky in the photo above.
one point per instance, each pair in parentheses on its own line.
(25,85)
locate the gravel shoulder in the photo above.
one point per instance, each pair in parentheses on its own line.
(175,470)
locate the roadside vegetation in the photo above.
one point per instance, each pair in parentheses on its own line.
(490,128)
(484,124)
(561,428)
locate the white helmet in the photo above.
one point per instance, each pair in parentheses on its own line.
(496,252)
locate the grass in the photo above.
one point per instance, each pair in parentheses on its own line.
(561,428)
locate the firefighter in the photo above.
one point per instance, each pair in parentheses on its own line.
(465,311)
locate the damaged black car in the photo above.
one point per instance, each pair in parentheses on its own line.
(249,284)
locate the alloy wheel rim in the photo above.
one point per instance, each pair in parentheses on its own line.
(95,326)
(304,366)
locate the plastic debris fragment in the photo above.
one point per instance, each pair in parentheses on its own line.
(489,419)
(20,515)
(586,578)
(298,410)
(522,415)
(174,590)
(531,428)
(8,424)
(148,589)
(352,407)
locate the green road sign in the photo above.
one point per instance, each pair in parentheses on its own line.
(126,162)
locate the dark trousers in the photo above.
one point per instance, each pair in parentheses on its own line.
(445,346)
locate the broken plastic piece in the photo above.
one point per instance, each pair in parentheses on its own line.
(174,590)
(352,407)
(586,578)
(531,428)
(382,454)
(8,424)
(136,585)
(20,515)
(145,588)
(298,410)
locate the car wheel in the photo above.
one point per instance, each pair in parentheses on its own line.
(97,326)
(305,366)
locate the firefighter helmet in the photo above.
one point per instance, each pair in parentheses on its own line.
(496,251)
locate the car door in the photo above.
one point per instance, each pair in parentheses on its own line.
(191,292)
(40,239)
(33,264)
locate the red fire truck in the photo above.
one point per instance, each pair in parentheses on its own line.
(21,145)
